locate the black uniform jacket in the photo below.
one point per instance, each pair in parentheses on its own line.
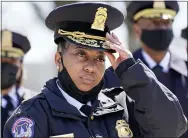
(143,108)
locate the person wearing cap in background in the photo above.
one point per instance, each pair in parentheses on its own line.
(73,104)
(185,36)
(152,24)
(13,48)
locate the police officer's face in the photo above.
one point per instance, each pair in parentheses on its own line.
(151,24)
(85,67)
(16,62)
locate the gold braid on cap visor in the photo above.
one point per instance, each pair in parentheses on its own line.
(85,39)
(11,52)
(152,13)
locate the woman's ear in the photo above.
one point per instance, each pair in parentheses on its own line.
(58,61)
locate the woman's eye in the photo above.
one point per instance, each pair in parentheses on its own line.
(101,59)
(81,54)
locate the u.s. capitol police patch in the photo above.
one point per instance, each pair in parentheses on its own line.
(23,127)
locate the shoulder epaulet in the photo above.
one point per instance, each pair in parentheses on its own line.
(26,93)
(26,104)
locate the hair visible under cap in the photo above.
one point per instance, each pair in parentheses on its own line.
(63,46)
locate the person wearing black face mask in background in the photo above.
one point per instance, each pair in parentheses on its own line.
(13,48)
(152,24)
(184,34)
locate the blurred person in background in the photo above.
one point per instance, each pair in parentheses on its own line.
(184,34)
(13,48)
(73,105)
(152,23)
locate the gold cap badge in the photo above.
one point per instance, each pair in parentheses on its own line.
(100,19)
(159,4)
(7,39)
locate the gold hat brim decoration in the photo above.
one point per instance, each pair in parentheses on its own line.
(154,13)
(80,35)
(11,52)
(85,39)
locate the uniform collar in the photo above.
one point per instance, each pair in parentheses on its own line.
(58,102)
(164,62)
(72,100)
(175,62)
(13,96)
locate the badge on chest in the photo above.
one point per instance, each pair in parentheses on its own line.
(123,129)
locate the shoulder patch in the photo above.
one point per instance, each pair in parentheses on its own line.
(23,127)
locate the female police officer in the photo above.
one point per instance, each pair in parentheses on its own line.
(73,105)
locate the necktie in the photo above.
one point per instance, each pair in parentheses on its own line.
(86,109)
(158,70)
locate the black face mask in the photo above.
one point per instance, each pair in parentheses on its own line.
(8,75)
(158,40)
(70,88)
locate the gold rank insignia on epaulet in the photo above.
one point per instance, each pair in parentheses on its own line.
(123,129)
(100,19)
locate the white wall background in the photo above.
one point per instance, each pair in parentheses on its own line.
(178,45)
